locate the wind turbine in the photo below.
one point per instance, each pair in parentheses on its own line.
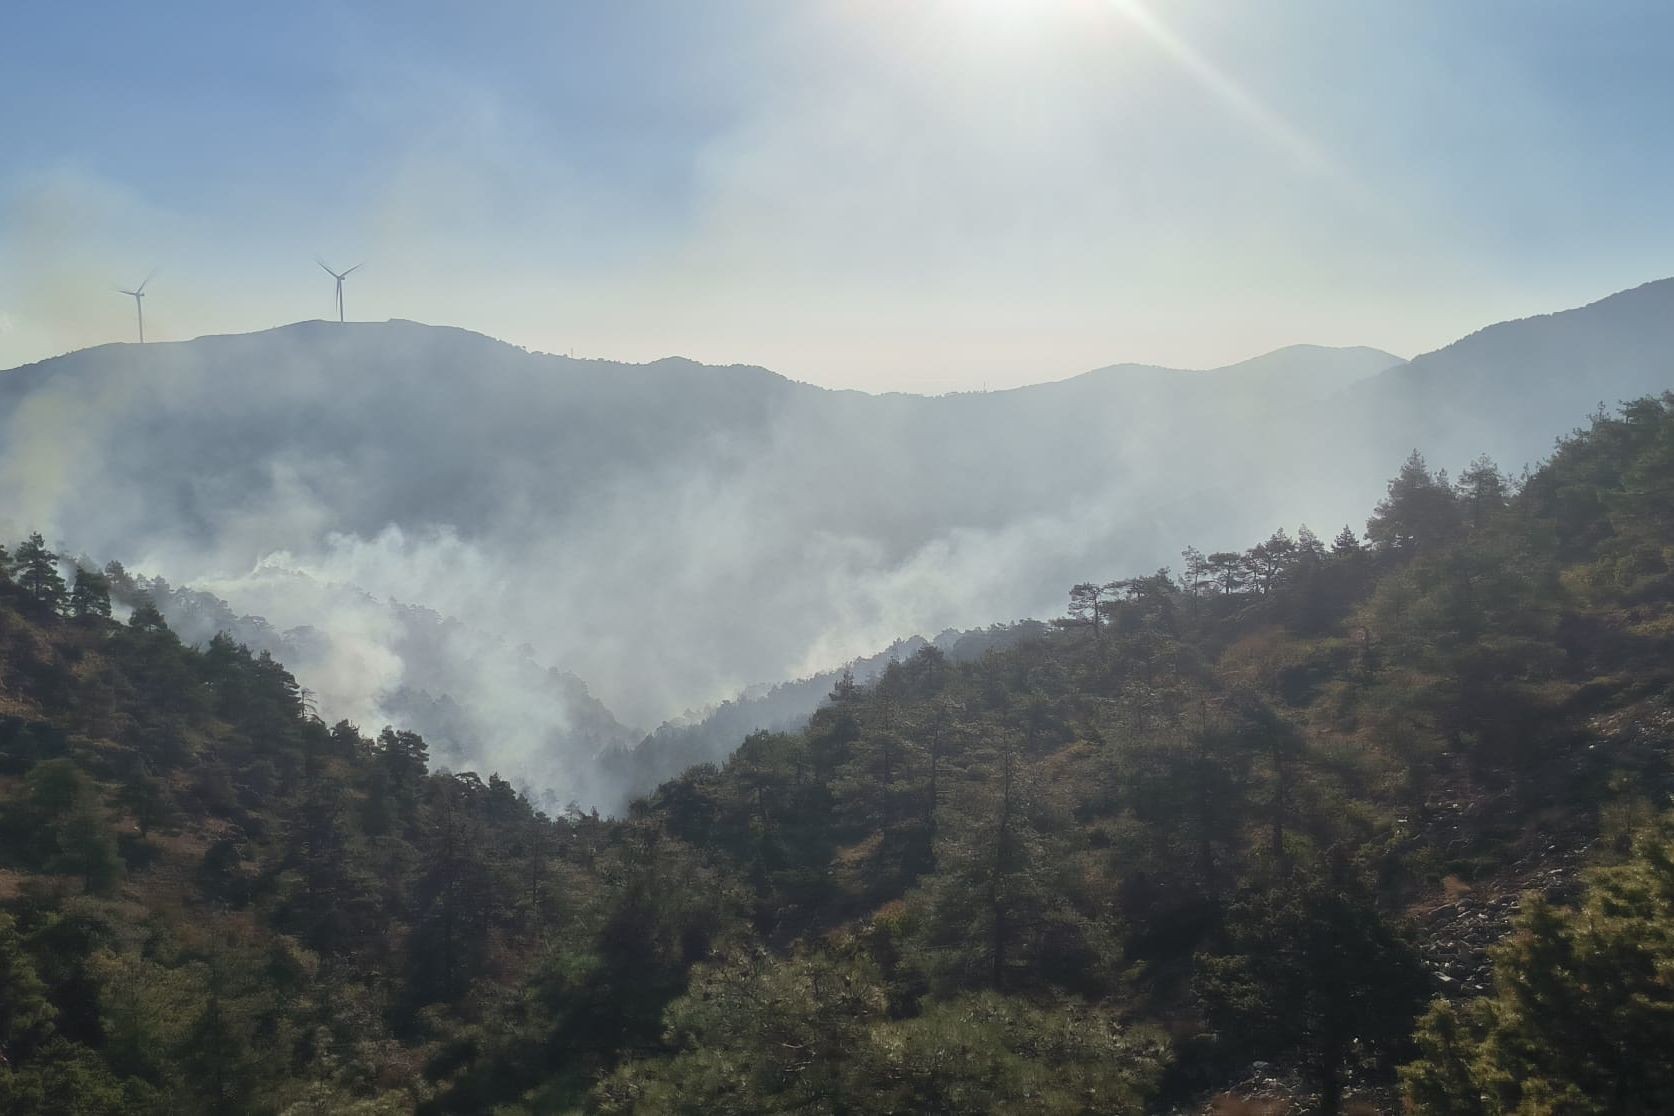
(339,279)
(137,294)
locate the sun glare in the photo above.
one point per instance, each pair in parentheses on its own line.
(996,17)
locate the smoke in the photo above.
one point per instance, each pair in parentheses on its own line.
(451,636)
(534,560)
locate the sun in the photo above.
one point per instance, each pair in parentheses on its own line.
(1003,11)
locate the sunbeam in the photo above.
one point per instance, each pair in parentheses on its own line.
(1271,125)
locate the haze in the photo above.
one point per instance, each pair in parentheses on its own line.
(448,533)
(692,348)
(924,197)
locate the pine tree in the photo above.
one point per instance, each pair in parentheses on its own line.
(1309,548)
(87,848)
(1085,606)
(216,1053)
(1482,491)
(147,798)
(1227,570)
(1312,965)
(26,1011)
(1582,1016)
(1194,571)
(36,570)
(1267,562)
(90,597)
(1420,510)
(146,618)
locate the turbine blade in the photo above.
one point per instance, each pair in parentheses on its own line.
(148,279)
(328,270)
(353,269)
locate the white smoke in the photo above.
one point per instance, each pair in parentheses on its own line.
(440,529)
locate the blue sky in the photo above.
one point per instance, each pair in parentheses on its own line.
(886,194)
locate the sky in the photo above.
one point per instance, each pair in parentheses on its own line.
(912,195)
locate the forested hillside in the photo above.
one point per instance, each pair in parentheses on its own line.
(1245,827)
(712,737)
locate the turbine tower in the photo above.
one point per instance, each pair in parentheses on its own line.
(137,294)
(339,279)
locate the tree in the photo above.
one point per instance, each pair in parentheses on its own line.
(1420,510)
(216,1052)
(221,873)
(1282,746)
(452,897)
(26,1012)
(845,690)
(36,571)
(1189,786)
(400,760)
(146,618)
(1346,544)
(73,835)
(1143,601)
(1006,867)
(121,582)
(758,1036)
(1227,570)
(87,848)
(1086,605)
(90,598)
(1309,603)
(1194,571)
(1482,491)
(148,799)
(1581,1020)
(1001,909)
(1311,965)
(67,1077)
(814,1034)
(1309,548)
(1267,561)
(989,1053)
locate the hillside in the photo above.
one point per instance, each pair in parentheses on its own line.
(710,738)
(1201,828)
(331,477)
(1532,372)
(478,701)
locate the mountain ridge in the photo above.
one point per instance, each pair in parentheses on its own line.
(318,327)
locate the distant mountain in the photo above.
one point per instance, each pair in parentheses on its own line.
(674,532)
(1508,389)
(1296,371)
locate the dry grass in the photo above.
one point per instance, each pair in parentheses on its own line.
(1453,887)
(857,855)
(1229,1104)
